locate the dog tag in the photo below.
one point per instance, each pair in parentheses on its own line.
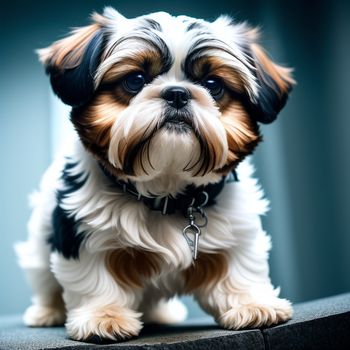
(194,231)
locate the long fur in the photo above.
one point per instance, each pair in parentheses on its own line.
(102,261)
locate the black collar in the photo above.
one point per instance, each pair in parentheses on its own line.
(192,196)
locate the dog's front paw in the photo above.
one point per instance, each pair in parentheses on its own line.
(44,316)
(256,315)
(105,324)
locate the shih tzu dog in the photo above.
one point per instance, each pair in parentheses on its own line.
(154,199)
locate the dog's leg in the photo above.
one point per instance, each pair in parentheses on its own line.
(236,308)
(47,307)
(98,308)
(162,309)
(165,311)
(243,296)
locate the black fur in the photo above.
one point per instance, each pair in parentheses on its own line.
(270,99)
(65,238)
(75,86)
(194,25)
(151,23)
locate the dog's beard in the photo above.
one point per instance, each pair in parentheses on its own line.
(148,138)
(179,121)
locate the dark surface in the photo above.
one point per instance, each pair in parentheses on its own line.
(320,324)
(198,334)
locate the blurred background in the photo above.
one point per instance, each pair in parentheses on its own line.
(303,165)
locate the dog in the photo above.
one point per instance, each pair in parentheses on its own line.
(155,198)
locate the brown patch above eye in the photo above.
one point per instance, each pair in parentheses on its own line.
(207,66)
(148,62)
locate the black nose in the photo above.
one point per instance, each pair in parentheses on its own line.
(176,96)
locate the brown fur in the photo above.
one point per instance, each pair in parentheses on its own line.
(104,315)
(207,66)
(68,52)
(132,267)
(280,75)
(147,61)
(216,67)
(242,133)
(205,272)
(94,123)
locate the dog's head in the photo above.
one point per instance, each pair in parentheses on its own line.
(161,94)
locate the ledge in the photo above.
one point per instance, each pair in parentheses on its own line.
(319,324)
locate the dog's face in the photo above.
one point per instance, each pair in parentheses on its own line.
(160,94)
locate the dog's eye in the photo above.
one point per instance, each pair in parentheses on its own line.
(215,87)
(134,82)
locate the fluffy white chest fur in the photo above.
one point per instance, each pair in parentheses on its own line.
(160,113)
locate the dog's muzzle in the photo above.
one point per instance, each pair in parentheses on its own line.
(177,113)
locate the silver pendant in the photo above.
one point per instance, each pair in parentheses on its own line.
(192,231)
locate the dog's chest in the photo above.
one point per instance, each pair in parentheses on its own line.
(134,268)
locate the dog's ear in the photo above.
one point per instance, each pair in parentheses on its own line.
(71,63)
(275,82)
